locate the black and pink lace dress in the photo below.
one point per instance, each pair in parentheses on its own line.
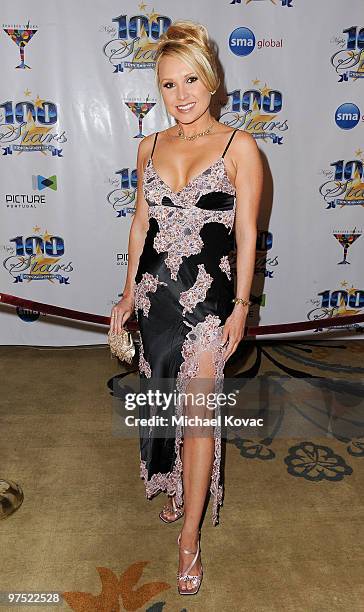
(183,296)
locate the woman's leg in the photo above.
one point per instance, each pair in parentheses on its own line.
(198,456)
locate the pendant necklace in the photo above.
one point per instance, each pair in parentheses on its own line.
(181,134)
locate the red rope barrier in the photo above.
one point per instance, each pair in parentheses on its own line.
(281,328)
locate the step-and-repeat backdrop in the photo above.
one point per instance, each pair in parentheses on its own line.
(78,94)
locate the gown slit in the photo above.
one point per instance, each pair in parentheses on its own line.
(183,296)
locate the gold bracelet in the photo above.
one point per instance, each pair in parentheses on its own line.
(243,301)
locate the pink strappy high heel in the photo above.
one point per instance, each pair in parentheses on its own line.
(196,580)
(177,512)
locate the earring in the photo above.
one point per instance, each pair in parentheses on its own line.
(212,92)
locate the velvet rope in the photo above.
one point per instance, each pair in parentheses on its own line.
(132,325)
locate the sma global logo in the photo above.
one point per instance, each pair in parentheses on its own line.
(242,41)
(347,116)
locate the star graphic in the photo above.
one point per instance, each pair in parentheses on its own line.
(42,262)
(38,251)
(153,17)
(144,46)
(30,130)
(46,236)
(256,82)
(27,92)
(361,62)
(358,153)
(265,90)
(142,7)
(257,117)
(356,186)
(343,309)
(353,290)
(36,229)
(38,102)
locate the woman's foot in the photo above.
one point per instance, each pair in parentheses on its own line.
(190,570)
(170,513)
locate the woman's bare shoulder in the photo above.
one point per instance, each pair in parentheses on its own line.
(244,147)
(244,140)
(146,144)
(247,159)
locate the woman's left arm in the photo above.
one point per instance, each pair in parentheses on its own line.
(248,185)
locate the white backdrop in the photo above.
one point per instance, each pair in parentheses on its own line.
(293,73)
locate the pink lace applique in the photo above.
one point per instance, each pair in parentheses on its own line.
(143,364)
(170,482)
(147,284)
(179,231)
(205,336)
(197,293)
(224,265)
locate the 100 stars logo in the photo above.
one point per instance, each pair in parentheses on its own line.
(134,39)
(258,110)
(348,60)
(29,126)
(344,184)
(38,257)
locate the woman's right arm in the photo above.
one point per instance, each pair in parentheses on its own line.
(121,312)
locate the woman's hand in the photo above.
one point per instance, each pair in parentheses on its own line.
(233,331)
(120,313)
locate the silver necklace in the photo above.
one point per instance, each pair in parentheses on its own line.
(181,134)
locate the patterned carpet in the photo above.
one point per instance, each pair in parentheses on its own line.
(324,397)
(288,537)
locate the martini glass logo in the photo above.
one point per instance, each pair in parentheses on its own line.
(140,110)
(21,37)
(346,239)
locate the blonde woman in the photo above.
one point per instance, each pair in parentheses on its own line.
(199,185)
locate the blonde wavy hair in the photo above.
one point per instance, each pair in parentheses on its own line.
(189,42)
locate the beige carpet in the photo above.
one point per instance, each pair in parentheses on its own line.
(289,540)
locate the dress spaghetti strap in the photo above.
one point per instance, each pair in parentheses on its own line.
(155,140)
(228,144)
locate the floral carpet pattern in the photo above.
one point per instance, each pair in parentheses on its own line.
(325,368)
(119,594)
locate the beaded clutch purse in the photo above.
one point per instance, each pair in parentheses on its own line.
(121,345)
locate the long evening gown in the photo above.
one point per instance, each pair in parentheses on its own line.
(183,296)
